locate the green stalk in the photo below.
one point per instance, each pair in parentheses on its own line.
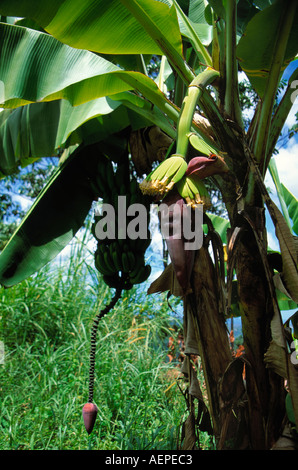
(161,85)
(142,65)
(195,92)
(215,45)
(200,49)
(173,56)
(263,131)
(232,106)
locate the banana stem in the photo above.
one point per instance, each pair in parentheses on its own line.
(198,46)
(195,91)
(98,317)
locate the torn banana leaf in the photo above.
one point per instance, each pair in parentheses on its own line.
(55,217)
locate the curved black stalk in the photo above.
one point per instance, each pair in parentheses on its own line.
(98,317)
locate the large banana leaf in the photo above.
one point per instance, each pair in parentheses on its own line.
(34,66)
(112,25)
(292,205)
(55,217)
(39,129)
(255,47)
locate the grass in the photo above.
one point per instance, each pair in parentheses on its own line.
(45,324)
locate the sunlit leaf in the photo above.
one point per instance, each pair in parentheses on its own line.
(112,28)
(34,66)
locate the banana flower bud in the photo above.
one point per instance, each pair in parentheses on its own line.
(89,416)
(202,167)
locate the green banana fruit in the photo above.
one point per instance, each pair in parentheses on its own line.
(100,263)
(140,263)
(161,180)
(116,256)
(121,262)
(131,260)
(125,262)
(142,275)
(109,262)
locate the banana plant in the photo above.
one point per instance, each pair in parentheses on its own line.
(75,75)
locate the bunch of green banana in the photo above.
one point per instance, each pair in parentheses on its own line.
(120,265)
(161,180)
(121,261)
(193,191)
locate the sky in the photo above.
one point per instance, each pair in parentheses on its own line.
(286,161)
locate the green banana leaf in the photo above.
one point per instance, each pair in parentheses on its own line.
(284,302)
(220,225)
(194,24)
(53,220)
(288,202)
(112,25)
(254,50)
(40,129)
(292,204)
(34,66)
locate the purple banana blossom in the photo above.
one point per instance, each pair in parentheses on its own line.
(202,167)
(174,214)
(89,416)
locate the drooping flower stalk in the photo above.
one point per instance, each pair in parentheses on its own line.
(195,91)
(161,180)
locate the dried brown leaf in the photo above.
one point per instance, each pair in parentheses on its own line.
(278,359)
(167,281)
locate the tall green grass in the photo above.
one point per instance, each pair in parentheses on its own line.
(45,324)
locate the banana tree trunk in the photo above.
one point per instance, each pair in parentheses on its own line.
(245,399)
(206,335)
(265,390)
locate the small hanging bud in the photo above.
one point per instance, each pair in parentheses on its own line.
(89,416)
